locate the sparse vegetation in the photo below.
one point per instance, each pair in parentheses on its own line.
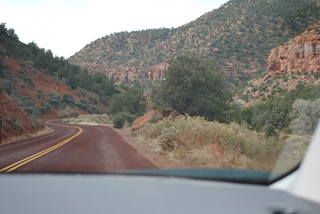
(101,119)
(229,36)
(191,139)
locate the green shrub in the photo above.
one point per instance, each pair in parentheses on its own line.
(269,130)
(6,85)
(25,102)
(25,78)
(122,118)
(31,110)
(317,75)
(82,100)
(82,106)
(39,95)
(6,74)
(93,100)
(45,108)
(54,100)
(69,100)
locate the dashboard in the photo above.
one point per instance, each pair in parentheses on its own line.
(77,193)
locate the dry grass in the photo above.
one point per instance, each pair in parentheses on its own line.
(44,131)
(94,119)
(200,143)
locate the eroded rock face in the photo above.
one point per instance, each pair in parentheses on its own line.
(301,54)
(125,74)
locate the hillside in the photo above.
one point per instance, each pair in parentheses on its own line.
(20,84)
(238,36)
(290,66)
(36,85)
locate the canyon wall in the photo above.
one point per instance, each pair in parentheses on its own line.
(300,54)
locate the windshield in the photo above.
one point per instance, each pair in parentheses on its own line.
(231,95)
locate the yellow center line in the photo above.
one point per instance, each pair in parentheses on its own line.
(22,162)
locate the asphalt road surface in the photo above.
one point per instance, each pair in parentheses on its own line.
(72,148)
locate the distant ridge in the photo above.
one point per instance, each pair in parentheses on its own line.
(238,36)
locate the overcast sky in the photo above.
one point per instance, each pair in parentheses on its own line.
(66,26)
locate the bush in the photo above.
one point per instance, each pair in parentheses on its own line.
(122,118)
(25,78)
(6,85)
(25,102)
(269,130)
(93,100)
(82,106)
(69,100)
(187,135)
(6,74)
(82,100)
(31,110)
(45,108)
(68,111)
(54,100)
(133,102)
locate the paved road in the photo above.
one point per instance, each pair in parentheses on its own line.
(72,148)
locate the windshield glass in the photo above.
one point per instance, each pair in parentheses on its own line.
(233,95)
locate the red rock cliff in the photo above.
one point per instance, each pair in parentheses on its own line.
(124,74)
(301,54)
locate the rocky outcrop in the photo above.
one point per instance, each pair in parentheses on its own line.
(301,54)
(140,121)
(125,74)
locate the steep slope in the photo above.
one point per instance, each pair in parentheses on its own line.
(26,96)
(31,89)
(238,36)
(294,65)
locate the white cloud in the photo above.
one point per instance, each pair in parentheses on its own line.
(66,26)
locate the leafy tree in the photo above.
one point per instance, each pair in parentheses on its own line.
(121,118)
(73,81)
(133,102)
(10,33)
(99,77)
(192,87)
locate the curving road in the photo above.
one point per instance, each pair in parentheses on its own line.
(72,148)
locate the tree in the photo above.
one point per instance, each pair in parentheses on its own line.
(192,87)
(133,102)
(99,77)
(306,114)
